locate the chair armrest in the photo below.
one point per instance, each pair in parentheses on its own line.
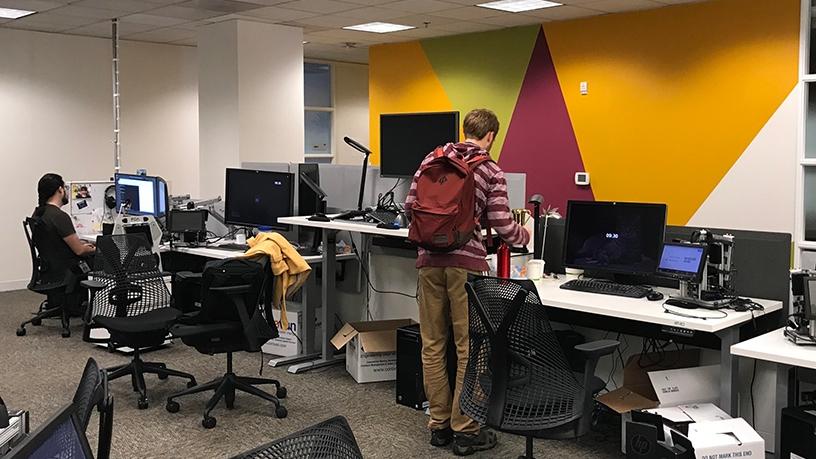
(92,284)
(233,289)
(597,349)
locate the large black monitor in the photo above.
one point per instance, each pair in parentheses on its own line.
(614,237)
(143,194)
(307,198)
(60,436)
(405,139)
(258,198)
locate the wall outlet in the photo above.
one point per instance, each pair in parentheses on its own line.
(584,88)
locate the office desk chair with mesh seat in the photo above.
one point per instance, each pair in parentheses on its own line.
(518,378)
(52,278)
(332,438)
(92,393)
(130,299)
(230,320)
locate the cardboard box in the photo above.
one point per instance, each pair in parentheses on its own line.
(371,349)
(289,343)
(730,438)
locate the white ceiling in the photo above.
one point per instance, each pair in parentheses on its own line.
(176,21)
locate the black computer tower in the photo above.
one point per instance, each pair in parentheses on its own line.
(410,389)
(798,432)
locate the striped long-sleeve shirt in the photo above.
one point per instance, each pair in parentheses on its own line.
(491,206)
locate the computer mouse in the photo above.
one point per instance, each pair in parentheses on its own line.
(392,226)
(319,217)
(654,296)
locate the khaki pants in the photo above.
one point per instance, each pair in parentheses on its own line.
(443,302)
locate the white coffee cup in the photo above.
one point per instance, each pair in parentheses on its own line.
(240,238)
(535,269)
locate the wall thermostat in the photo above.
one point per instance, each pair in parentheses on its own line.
(582,178)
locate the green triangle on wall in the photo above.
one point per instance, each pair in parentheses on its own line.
(484,70)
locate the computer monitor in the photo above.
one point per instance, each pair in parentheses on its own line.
(405,139)
(258,198)
(188,221)
(60,436)
(145,195)
(614,237)
(307,198)
(810,299)
(685,262)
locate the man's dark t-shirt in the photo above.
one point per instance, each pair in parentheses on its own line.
(56,225)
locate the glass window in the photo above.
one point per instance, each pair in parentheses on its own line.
(317,85)
(810,122)
(318,132)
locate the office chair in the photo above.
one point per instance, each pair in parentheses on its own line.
(230,320)
(331,438)
(91,393)
(518,378)
(51,279)
(130,299)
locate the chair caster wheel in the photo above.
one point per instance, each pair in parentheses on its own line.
(191,384)
(281,392)
(21,331)
(66,333)
(208,422)
(163,376)
(142,404)
(36,322)
(172,406)
(280,412)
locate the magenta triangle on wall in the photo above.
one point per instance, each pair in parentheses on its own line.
(540,141)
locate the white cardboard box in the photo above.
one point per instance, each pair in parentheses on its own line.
(289,343)
(371,349)
(726,439)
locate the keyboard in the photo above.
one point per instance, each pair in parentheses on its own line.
(350,215)
(233,246)
(605,288)
(382,216)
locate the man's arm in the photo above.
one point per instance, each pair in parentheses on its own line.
(498,213)
(78,246)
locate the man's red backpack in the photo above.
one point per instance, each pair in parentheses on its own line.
(443,217)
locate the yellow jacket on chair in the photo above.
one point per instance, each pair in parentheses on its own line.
(288,267)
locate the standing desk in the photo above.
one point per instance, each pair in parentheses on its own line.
(775,348)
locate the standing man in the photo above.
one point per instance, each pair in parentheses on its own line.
(442,298)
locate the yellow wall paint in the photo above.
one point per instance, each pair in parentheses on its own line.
(676,94)
(401,80)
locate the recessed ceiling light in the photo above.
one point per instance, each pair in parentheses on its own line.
(11,13)
(305,42)
(379,27)
(518,6)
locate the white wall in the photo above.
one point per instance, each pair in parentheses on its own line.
(55,116)
(350,110)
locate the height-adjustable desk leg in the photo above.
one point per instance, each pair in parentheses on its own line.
(729,372)
(328,295)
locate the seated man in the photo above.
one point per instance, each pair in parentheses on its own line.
(55,236)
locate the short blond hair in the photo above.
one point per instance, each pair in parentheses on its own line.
(479,122)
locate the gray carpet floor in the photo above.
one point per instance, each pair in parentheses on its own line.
(39,372)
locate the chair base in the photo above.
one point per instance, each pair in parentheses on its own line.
(137,369)
(225,388)
(44,313)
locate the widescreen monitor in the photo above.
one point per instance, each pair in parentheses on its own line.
(143,194)
(406,138)
(614,237)
(258,198)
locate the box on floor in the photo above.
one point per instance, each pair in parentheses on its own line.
(289,343)
(371,348)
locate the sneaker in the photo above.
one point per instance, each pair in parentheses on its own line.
(441,437)
(467,444)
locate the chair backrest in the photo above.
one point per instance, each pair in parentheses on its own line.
(130,272)
(92,392)
(33,228)
(517,378)
(331,438)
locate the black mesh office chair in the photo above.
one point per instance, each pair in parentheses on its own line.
(518,378)
(52,279)
(92,393)
(332,438)
(131,300)
(230,320)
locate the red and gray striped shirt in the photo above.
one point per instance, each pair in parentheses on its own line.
(491,205)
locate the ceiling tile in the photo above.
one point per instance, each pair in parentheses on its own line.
(279,14)
(467,27)
(328,21)
(163,35)
(56,19)
(36,26)
(319,6)
(615,6)
(266,2)
(468,13)
(186,42)
(224,6)
(677,2)
(184,12)
(372,13)
(149,19)
(31,5)
(93,13)
(563,13)
(351,36)
(420,6)
(130,6)
(103,29)
(422,20)
(369,2)
(511,20)
(427,33)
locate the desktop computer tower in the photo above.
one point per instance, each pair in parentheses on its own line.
(798,433)
(410,389)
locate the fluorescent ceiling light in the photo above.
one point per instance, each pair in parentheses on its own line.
(11,13)
(379,27)
(518,6)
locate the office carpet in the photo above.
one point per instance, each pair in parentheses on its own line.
(39,372)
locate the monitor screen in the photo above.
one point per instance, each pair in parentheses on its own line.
(614,237)
(182,221)
(145,195)
(810,298)
(682,261)
(258,198)
(307,199)
(59,437)
(405,139)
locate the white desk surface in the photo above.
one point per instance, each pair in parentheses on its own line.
(214,252)
(774,347)
(640,309)
(345,225)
